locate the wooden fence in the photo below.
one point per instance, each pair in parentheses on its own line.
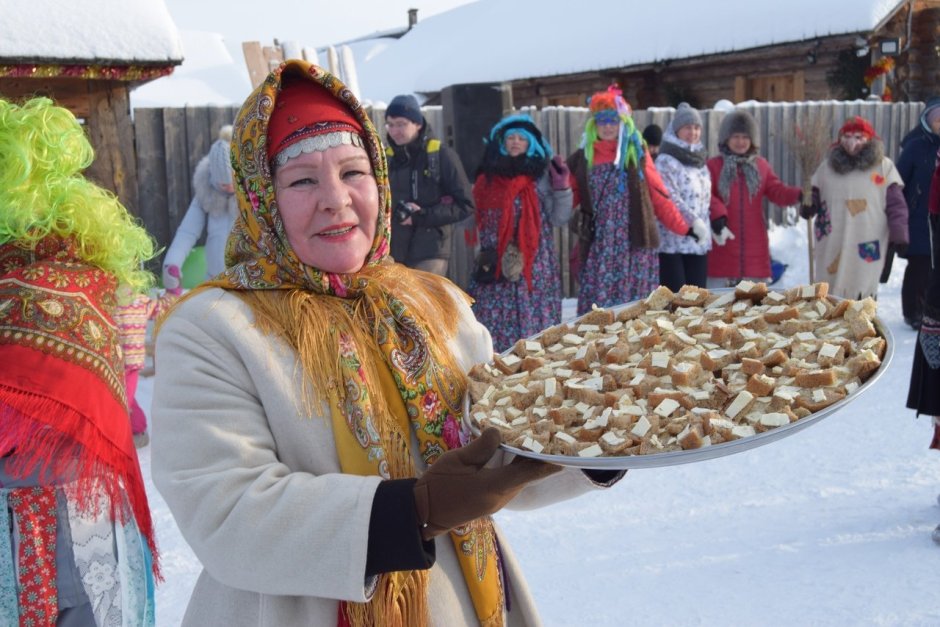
(171,141)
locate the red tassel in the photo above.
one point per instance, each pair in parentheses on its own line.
(63,443)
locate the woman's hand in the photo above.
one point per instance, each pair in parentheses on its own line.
(560,173)
(698,231)
(457,488)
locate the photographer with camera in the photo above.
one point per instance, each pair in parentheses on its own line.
(430,191)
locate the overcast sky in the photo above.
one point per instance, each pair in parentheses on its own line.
(311,23)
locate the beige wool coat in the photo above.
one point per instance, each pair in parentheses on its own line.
(255,484)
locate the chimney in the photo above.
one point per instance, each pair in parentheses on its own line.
(412,18)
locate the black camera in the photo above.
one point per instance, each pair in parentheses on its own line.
(402,211)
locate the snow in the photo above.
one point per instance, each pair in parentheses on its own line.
(88,30)
(208,76)
(828,527)
(494,40)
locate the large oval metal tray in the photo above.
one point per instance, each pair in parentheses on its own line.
(671,458)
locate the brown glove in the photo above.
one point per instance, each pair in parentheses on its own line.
(457,488)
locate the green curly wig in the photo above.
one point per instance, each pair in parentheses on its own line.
(43,151)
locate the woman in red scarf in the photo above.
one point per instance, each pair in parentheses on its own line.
(71,494)
(519,200)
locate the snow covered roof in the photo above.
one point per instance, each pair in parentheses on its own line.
(102,32)
(495,40)
(208,76)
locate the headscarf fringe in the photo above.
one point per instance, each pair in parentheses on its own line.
(309,322)
(398,602)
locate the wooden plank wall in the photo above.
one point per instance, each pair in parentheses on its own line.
(171,141)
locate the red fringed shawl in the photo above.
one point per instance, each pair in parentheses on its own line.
(62,404)
(498,194)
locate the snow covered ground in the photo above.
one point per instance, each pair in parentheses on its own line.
(828,527)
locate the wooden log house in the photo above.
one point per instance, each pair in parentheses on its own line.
(89,61)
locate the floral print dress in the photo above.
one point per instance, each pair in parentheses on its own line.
(614,271)
(508,309)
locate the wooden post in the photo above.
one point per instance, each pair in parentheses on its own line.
(254,59)
(809,240)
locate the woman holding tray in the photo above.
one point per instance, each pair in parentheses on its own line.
(308,402)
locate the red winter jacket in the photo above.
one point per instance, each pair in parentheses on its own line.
(748,254)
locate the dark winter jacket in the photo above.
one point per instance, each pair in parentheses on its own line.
(437,183)
(916,165)
(748,254)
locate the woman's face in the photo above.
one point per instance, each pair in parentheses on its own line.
(854,142)
(739,143)
(516,144)
(329,202)
(607,128)
(690,133)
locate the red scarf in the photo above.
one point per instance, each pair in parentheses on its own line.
(498,194)
(605,150)
(62,403)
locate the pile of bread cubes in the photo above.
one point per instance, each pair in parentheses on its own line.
(678,371)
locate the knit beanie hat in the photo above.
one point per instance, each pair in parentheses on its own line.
(653,134)
(858,124)
(308,118)
(738,121)
(932,112)
(685,115)
(220,163)
(405,106)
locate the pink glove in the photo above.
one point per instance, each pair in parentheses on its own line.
(172,281)
(560,173)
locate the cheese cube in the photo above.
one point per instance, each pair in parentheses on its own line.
(594,450)
(532,445)
(666,407)
(775,419)
(743,431)
(641,427)
(741,401)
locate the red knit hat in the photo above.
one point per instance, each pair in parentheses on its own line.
(858,124)
(305,109)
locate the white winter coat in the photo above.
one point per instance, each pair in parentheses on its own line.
(691,190)
(255,484)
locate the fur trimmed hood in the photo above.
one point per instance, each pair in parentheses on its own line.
(869,156)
